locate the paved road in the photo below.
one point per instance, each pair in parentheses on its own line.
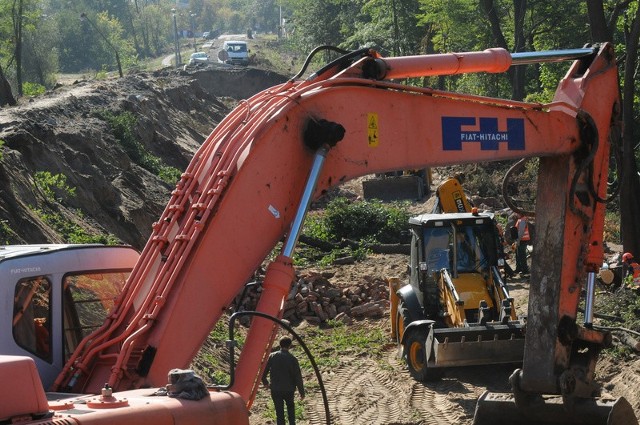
(169,60)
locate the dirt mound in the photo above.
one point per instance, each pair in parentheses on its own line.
(64,132)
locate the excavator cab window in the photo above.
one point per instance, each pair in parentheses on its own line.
(88,298)
(32,316)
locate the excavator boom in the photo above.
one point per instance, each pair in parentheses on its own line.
(247,183)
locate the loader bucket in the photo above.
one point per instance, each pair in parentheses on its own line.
(501,409)
(482,345)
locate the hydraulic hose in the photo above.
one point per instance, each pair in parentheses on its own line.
(231,345)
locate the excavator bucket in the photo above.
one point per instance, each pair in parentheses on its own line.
(502,409)
(396,186)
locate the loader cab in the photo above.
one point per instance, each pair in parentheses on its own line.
(55,295)
(463,244)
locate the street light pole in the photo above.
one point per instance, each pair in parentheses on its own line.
(84,17)
(175,36)
(193,17)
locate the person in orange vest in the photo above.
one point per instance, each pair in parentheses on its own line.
(633,269)
(524,238)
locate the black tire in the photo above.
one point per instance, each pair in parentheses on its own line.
(416,358)
(402,321)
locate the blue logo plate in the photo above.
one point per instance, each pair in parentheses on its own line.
(488,135)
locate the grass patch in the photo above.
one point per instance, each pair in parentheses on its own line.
(336,339)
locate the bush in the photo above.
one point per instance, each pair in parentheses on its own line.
(33,89)
(366,220)
(123,129)
(52,184)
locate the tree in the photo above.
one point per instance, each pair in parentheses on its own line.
(6,96)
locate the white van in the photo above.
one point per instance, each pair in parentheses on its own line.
(234,52)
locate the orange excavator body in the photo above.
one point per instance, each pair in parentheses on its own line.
(245,190)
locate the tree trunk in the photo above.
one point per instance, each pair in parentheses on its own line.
(6,96)
(519,8)
(629,196)
(17,26)
(598,22)
(489,9)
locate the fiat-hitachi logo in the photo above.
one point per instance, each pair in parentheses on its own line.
(485,131)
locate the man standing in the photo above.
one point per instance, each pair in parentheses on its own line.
(523,240)
(632,269)
(284,371)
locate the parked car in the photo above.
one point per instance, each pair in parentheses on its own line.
(210,35)
(198,57)
(234,52)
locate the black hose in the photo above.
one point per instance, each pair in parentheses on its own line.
(231,343)
(310,56)
(515,168)
(345,58)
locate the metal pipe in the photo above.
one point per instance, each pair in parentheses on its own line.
(524,58)
(305,201)
(589,299)
(495,60)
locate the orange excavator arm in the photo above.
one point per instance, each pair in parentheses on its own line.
(251,180)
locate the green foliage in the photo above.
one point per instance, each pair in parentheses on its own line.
(7,235)
(72,232)
(366,220)
(52,185)
(123,128)
(361,223)
(625,304)
(102,74)
(2,142)
(33,89)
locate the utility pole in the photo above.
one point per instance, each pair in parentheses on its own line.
(175,36)
(84,17)
(193,18)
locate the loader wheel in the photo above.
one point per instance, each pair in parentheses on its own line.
(416,357)
(399,325)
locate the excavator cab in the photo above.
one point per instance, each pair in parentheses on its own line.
(456,309)
(61,293)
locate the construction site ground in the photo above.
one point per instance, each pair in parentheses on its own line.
(379,390)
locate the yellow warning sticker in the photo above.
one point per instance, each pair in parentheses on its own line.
(372,129)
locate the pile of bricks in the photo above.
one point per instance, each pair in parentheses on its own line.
(316,300)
